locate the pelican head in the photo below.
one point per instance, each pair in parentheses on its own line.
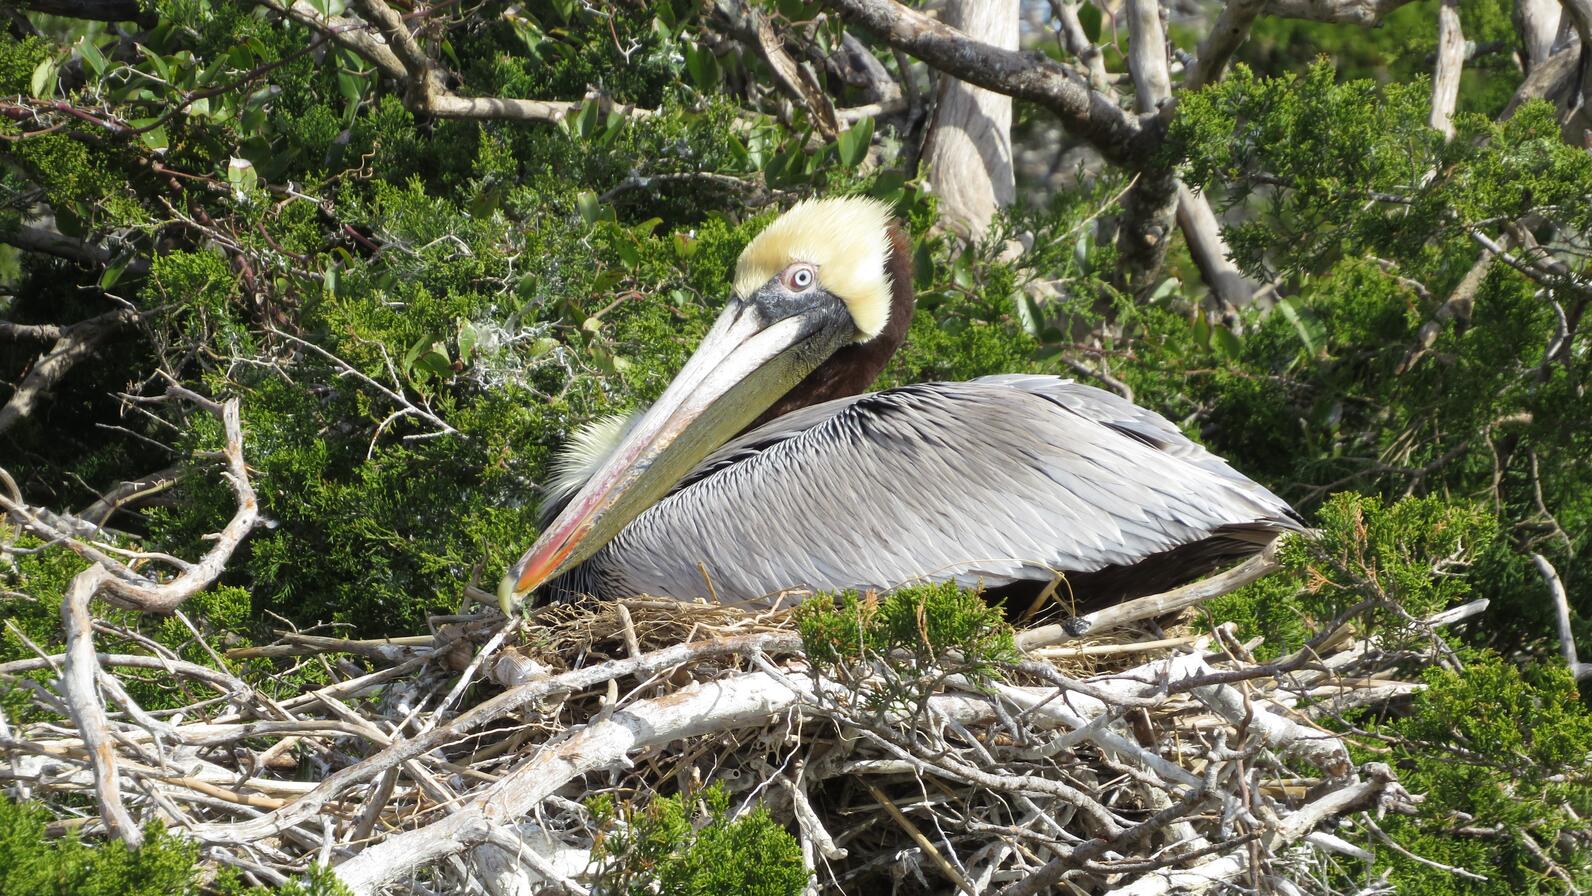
(813,282)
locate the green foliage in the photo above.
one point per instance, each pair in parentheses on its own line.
(692,845)
(898,646)
(1366,378)
(1501,755)
(33,864)
(1382,566)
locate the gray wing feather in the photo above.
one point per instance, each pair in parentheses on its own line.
(990,481)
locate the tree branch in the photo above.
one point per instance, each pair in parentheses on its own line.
(1561,617)
(94,10)
(1286,830)
(700,709)
(1089,114)
(1229,32)
(124,586)
(49,241)
(1348,12)
(72,344)
(1153,605)
(425,90)
(1450,63)
(1150,205)
(968,155)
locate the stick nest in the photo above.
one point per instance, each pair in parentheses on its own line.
(1112,755)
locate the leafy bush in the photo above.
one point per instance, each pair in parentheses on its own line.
(666,850)
(895,648)
(1501,755)
(1381,566)
(32,864)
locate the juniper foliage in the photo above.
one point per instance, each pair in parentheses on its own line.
(415,311)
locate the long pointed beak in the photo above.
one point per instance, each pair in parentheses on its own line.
(741,368)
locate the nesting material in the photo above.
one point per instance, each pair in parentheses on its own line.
(1129,759)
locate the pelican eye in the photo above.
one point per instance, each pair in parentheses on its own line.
(799,277)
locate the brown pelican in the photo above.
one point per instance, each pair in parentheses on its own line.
(761,470)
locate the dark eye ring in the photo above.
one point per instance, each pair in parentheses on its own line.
(799,277)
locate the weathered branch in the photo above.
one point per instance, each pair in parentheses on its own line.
(1450,63)
(1455,309)
(1350,12)
(49,241)
(521,695)
(757,32)
(1203,233)
(968,157)
(693,712)
(1147,62)
(1227,34)
(73,344)
(81,670)
(1289,828)
(1087,113)
(394,52)
(94,10)
(1151,606)
(1561,617)
(78,687)
(1150,206)
(1538,24)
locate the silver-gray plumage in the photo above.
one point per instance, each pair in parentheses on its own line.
(988,482)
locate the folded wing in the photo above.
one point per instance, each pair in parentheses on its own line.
(992,481)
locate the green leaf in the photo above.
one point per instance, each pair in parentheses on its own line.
(435,360)
(241,175)
(684,245)
(469,338)
(1089,17)
(1309,329)
(852,143)
(92,56)
(113,271)
(1165,288)
(43,83)
(1202,329)
(155,139)
(1226,342)
(588,206)
(703,68)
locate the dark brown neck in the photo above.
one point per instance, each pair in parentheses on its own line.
(852,369)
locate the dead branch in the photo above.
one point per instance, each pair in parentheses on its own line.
(81,669)
(1120,767)
(1088,113)
(47,240)
(968,152)
(1450,63)
(1538,24)
(1290,828)
(391,48)
(1561,617)
(1154,605)
(1351,12)
(73,344)
(1228,33)
(693,712)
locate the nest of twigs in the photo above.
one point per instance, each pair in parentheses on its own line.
(1117,755)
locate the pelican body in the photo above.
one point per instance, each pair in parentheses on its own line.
(762,470)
